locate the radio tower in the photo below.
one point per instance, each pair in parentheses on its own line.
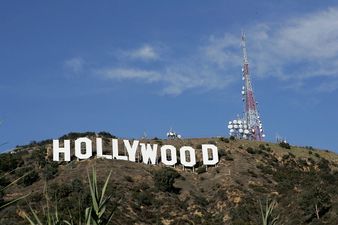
(250,126)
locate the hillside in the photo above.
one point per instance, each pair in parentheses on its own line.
(300,179)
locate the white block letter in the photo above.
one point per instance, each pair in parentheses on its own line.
(183,156)
(99,150)
(131,149)
(164,155)
(205,152)
(57,150)
(89,150)
(115,146)
(149,153)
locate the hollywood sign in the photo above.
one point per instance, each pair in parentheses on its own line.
(149,152)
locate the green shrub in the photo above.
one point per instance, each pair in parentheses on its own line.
(50,171)
(225,154)
(223,139)
(38,156)
(9,161)
(262,147)
(128,178)
(164,179)
(75,135)
(201,169)
(221,153)
(251,150)
(229,157)
(212,142)
(313,199)
(106,134)
(29,179)
(292,155)
(143,198)
(284,144)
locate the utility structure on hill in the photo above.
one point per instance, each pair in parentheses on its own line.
(250,126)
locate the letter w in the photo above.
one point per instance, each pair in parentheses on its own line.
(149,153)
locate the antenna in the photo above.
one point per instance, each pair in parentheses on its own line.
(173,135)
(145,136)
(250,126)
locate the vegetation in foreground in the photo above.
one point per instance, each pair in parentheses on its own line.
(302,182)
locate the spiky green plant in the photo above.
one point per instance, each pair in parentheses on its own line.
(52,219)
(6,204)
(3,189)
(266,212)
(93,215)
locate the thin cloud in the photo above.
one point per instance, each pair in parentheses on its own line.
(175,79)
(298,49)
(129,74)
(294,51)
(75,64)
(146,52)
(328,86)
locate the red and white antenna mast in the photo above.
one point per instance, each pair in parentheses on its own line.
(250,126)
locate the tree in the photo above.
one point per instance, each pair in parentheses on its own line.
(315,203)
(165,178)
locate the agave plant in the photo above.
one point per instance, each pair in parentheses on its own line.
(6,204)
(266,213)
(52,219)
(93,215)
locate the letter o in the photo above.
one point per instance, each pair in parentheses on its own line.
(183,156)
(89,150)
(164,158)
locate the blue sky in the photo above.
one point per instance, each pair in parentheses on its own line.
(130,67)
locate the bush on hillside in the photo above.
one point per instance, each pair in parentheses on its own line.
(50,170)
(164,179)
(9,162)
(29,178)
(284,144)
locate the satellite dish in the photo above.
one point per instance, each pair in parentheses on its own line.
(239,121)
(179,136)
(240,126)
(263,135)
(230,122)
(235,126)
(244,136)
(241,131)
(232,130)
(246,131)
(245,126)
(243,92)
(234,121)
(230,126)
